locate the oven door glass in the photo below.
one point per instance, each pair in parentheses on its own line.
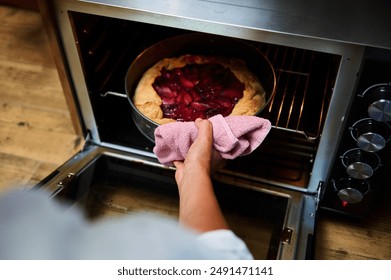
(110,185)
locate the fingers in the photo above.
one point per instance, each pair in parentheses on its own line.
(178,164)
(206,134)
(205,130)
(200,152)
(203,123)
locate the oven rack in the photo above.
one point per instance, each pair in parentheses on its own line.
(305,78)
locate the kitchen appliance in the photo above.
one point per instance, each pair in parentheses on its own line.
(332,63)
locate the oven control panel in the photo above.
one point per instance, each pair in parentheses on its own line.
(362,166)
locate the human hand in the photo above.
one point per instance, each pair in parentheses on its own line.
(201,157)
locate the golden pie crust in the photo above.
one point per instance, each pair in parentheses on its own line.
(148,102)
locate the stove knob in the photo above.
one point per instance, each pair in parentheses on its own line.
(370,135)
(360,164)
(350,195)
(359,170)
(380,110)
(379,100)
(350,190)
(371,142)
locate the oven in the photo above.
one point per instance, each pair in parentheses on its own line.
(332,102)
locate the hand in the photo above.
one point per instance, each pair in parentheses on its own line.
(201,157)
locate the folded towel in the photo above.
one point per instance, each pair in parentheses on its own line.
(233,136)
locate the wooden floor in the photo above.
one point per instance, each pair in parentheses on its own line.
(36,135)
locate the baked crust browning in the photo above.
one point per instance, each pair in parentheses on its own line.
(149,103)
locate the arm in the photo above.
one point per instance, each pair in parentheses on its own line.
(198,205)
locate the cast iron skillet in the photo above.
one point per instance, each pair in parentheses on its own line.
(201,44)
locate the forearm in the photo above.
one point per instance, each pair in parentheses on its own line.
(199,208)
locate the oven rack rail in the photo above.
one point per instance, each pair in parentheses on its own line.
(301,100)
(305,78)
(303,134)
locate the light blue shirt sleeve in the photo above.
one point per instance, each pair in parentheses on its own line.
(34,226)
(227,243)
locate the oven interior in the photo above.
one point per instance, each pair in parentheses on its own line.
(305,80)
(111,186)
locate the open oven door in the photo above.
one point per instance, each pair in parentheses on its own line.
(116,173)
(103,182)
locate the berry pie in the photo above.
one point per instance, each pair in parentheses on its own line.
(195,86)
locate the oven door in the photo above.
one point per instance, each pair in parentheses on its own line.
(104,182)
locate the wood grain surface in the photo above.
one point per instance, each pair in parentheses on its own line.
(37,135)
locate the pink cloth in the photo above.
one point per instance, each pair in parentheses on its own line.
(233,136)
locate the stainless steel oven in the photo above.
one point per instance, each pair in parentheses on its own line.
(332,102)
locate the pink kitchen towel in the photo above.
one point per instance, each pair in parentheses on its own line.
(233,136)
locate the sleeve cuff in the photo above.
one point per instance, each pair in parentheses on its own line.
(226,243)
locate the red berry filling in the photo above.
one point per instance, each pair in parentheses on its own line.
(198,91)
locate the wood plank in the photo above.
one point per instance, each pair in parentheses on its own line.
(31,85)
(20,172)
(24,37)
(41,172)
(38,145)
(24,4)
(15,171)
(37,134)
(36,131)
(27,71)
(34,117)
(347,239)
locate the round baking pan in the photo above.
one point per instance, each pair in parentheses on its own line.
(197,44)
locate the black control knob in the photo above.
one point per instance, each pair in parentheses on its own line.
(360,164)
(370,135)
